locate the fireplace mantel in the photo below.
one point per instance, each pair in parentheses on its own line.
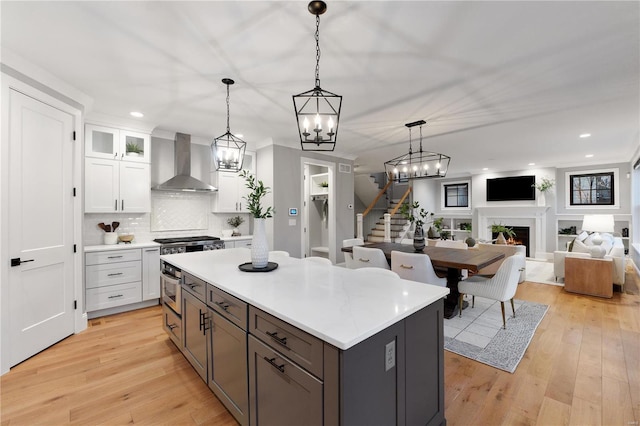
(534,217)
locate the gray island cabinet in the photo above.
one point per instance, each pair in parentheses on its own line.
(309,344)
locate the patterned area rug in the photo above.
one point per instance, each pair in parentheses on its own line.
(479,335)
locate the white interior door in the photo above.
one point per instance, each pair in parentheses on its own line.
(41,284)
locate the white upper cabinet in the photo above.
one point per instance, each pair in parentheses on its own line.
(117,144)
(117,170)
(232,188)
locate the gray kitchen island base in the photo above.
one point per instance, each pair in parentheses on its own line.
(310,344)
(363,385)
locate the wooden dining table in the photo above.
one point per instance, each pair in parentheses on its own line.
(452,259)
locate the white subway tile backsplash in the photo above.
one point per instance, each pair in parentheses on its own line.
(172,211)
(197,220)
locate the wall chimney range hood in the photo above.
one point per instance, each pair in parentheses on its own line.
(183,181)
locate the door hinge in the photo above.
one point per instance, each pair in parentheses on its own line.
(75,248)
(75,304)
(74,135)
(74,191)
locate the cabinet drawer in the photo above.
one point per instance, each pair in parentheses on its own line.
(112,256)
(115,295)
(113,273)
(280,391)
(172,325)
(195,286)
(243,243)
(297,345)
(230,307)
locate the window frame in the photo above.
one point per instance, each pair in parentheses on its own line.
(443,195)
(615,188)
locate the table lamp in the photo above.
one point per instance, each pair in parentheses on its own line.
(597,223)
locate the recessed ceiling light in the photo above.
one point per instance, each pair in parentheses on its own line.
(136,114)
(585,135)
(588,156)
(532,164)
(240,135)
(485,168)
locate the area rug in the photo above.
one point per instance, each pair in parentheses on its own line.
(479,335)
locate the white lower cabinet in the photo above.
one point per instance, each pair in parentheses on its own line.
(120,277)
(151,273)
(246,243)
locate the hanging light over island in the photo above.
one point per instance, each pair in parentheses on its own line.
(317,105)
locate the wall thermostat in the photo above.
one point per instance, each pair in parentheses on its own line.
(293,211)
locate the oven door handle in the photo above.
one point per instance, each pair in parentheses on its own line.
(172,280)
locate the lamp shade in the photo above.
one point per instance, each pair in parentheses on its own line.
(598,223)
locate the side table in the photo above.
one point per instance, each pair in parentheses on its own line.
(589,276)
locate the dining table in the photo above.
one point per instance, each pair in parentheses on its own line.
(453,260)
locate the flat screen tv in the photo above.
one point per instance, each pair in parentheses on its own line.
(512,188)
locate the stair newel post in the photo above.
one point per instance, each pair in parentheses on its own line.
(387,228)
(359,232)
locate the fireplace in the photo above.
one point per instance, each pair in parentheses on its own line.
(521,237)
(534,217)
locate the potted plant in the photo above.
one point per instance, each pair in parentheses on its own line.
(407,210)
(324,184)
(259,245)
(235,222)
(437,224)
(133,148)
(501,230)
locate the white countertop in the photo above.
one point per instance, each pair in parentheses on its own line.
(119,246)
(341,306)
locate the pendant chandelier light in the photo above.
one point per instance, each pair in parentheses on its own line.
(417,165)
(228,150)
(317,111)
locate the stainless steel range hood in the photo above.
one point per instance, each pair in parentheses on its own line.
(183,181)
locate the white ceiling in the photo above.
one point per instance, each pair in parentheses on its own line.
(500,84)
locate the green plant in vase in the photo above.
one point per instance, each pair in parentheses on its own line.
(259,245)
(235,222)
(407,210)
(502,230)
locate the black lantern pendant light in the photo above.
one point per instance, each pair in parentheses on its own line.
(317,111)
(228,150)
(417,165)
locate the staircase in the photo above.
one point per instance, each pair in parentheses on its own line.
(398,226)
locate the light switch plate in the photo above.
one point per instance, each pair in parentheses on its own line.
(390,355)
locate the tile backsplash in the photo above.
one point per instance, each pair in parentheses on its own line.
(173,215)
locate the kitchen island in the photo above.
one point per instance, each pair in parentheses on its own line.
(324,344)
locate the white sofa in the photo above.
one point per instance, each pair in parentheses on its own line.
(614,249)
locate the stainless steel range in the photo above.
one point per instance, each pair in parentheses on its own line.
(189,244)
(171,277)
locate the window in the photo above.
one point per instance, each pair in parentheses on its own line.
(592,189)
(456,195)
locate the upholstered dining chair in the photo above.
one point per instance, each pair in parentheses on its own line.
(348,257)
(501,287)
(368,257)
(415,267)
(377,271)
(318,259)
(279,253)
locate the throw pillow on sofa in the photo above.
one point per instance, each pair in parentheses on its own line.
(579,247)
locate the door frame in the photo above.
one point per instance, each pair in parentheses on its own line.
(80,317)
(331,167)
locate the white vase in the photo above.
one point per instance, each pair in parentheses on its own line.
(259,245)
(541,199)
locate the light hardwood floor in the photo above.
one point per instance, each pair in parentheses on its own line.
(582,368)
